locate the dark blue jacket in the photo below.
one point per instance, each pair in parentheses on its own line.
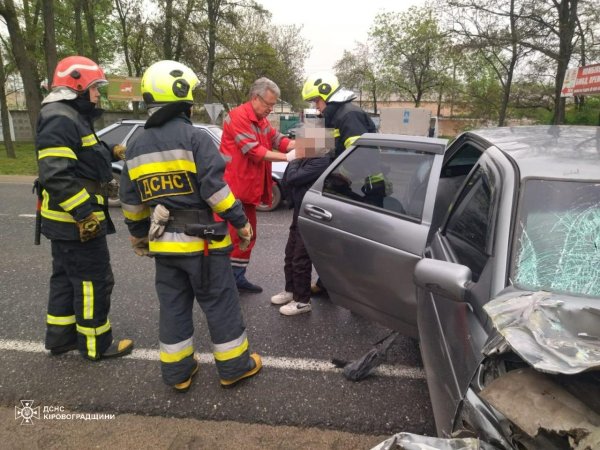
(299,176)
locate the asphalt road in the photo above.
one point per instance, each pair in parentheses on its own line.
(299,400)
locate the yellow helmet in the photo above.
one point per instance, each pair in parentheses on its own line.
(321,84)
(168,82)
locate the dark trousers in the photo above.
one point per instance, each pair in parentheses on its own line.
(79,300)
(178,282)
(297,265)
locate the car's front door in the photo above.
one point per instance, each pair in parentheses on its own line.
(365,224)
(453,331)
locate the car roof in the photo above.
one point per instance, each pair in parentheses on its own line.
(562,152)
(141,122)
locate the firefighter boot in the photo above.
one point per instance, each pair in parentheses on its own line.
(257,365)
(184,386)
(118,348)
(243,284)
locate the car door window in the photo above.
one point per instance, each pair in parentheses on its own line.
(392,180)
(117,134)
(470,222)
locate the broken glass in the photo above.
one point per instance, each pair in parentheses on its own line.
(558,238)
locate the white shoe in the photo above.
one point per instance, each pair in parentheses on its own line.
(282,298)
(294,308)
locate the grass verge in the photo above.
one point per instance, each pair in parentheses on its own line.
(24,164)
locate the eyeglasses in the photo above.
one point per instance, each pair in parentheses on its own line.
(267,104)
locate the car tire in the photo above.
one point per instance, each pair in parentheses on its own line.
(276,200)
(114,200)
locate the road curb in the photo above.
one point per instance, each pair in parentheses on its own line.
(17,178)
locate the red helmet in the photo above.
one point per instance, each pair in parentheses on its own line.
(78,73)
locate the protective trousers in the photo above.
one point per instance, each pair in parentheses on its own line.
(79,301)
(178,281)
(242,258)
(297,265)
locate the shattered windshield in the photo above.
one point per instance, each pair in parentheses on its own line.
(558,238)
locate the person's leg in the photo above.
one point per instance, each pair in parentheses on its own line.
(176,327)
(220,303)
(61,335)
(91,277)
(302,269)
(240,259)
(287,295)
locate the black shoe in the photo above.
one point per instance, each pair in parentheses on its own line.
(245,286)
(63,349)
(318,290)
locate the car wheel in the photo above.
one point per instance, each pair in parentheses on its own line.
(276,200)
(113,192)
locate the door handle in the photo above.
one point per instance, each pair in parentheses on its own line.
(317,213)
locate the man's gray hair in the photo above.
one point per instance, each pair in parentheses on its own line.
(262,85)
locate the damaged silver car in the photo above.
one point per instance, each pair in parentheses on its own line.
(488,251)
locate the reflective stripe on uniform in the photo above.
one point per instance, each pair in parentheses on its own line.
(249,146)
(221,200)
(336,132)
(171,353)
(171,242)
(135,212)
(90,336)
(348,142)
(89,140)
(241,136)
(58,152)
(277,137)
(60,216)
(74,201)
(161,162)
(237,262)
(88,299)
(231,349)
(60,320)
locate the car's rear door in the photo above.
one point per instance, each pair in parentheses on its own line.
(365,224)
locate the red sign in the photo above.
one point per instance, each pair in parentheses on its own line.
(582,81)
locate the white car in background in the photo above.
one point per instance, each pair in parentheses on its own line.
(125,130)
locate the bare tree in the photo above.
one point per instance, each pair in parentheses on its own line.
(90,21)
(8,143)
(23,59)
(555,22)
(49,39)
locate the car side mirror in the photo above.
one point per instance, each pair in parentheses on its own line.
(443,278)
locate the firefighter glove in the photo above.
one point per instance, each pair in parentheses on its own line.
(245,233)
(89,228)
(140,245)
(119,151)
(291,155)
(158,222)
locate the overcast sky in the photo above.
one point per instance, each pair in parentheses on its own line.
(331,26)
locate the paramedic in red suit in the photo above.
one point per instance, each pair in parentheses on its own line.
(247,143)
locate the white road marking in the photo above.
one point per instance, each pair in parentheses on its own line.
(26,215)
(317,365)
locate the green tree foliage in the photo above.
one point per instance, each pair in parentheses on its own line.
(409,45)
(356,70)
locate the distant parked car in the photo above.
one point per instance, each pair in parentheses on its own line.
(488,251)
(126,130)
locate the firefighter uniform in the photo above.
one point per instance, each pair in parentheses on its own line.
(74,167)
(175,165)
(348,121)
